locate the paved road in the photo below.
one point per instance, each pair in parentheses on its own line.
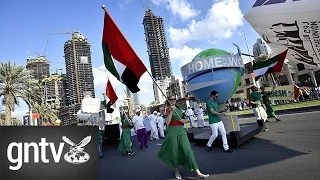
(290,150)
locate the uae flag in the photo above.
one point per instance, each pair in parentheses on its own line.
(271,65)
(112,96)
(119,57)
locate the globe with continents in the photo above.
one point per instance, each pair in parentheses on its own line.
(213,69)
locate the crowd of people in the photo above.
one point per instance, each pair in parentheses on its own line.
(176,150)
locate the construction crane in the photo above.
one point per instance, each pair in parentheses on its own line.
(43,54)
(73,33)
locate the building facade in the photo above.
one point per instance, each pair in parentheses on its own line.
(134,98)
(259,48)
(176,87)
(158,53)
(39,67)
(79,68)
(55,91)
(79,76)
(158,50)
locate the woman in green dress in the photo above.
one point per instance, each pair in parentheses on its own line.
(266,100)
(125,141)
(176,149)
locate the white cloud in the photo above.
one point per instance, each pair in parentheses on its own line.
(183,55)
(101,75)
(181,8)
(212,41)
(145,78)
(220,22)
(19,113)
(239,33)
(121,6)
(100,80)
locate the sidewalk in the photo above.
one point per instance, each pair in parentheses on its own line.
(286,111)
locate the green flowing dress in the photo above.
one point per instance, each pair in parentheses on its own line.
(176,149)
(267,103)
(125,141)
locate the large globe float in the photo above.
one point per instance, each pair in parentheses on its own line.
(213,69)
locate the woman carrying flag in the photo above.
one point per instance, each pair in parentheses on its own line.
(176,149)
(125,141)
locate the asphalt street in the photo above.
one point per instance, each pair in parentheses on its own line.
(290,150)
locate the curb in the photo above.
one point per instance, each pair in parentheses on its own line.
(287,111)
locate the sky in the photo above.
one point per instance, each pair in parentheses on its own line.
(191,26)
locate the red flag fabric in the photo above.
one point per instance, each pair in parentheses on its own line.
(129,68)
(110,93)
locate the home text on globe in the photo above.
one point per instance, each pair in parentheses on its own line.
(211,62)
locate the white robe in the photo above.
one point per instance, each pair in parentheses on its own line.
(161,120)
(200,119)
(153,125)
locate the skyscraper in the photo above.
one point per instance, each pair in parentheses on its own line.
(55,91)
(158,50)
(259,48)
(134,97)
(79,76)
(39,67)
(78,68)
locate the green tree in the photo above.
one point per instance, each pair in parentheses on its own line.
(143,107)
(46,113)
(15,121)
(16,83)
(262,57)
(154,103)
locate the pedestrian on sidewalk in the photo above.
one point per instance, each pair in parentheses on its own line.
(216,124)
(140,129)
(176,149)
(161,122)
(125,141)
(258,107)
(153,124)
(190,114)
(200,119)
(266,100)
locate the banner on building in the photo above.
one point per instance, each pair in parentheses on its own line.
(289,24)
(90,105)
(289,92)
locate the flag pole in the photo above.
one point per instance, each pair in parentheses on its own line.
(164,95)
(104,8)
(274,81)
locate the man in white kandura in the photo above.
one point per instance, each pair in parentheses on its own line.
(153,124)
(190,114)
(200,119)
(161,122)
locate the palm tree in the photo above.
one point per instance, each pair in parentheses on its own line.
(46,113)
(143,107)
(154,103)
(15,121)
(262,57)
(15,83)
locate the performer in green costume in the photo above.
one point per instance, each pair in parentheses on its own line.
(176,149)
(266,100)
(125,141)
(258,106)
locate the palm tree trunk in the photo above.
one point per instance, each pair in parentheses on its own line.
(8,113)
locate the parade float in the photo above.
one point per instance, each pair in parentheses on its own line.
(217,69)
(289,24)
